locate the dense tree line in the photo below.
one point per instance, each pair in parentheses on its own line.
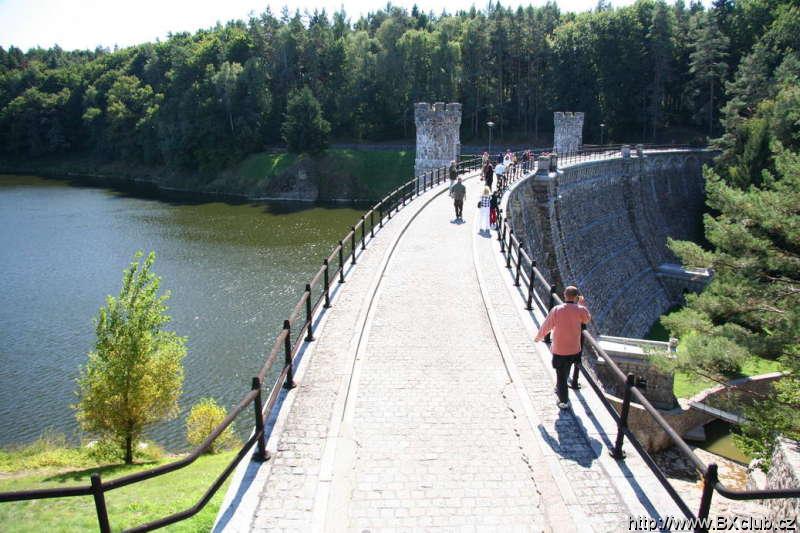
(206,99)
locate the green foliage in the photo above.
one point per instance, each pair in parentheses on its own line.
(751,305)
(304,128)
(134,375)
(127,507)
(203,418)
(205,101)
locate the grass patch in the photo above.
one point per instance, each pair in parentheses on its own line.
(378,171)
(687,385)
(265,165)
(127,507)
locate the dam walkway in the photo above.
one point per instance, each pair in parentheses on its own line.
(424,404)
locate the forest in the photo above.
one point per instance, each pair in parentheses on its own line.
(651,72)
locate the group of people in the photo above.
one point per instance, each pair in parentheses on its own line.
(564,323)
(489,202)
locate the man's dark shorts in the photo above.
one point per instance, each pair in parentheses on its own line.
(560,361)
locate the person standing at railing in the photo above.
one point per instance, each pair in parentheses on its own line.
(485,159)
(565,321)
(483,206)
(488,174)
(459,193)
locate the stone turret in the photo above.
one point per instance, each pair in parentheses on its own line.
(438,135)
(567,132)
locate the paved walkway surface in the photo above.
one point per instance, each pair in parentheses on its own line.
(425,405)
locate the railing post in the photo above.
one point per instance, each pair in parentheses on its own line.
(389,215)
(510,246)
(380,212)
(529,303)
(502,236)
(100,503)
(710,479)
(519,263)
(353,242)
(552,301)
(261,450)
(617,452)
(287,356)
(500,223)
(417,180)
(341,262)
(309,317)
(372,224)
(327,284)
(363,233)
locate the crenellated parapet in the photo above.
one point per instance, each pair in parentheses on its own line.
(438,135)
(567,132)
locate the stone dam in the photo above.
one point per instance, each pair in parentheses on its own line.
(603,225)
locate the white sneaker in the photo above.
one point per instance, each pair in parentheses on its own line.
(563,405)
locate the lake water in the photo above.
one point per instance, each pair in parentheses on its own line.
(234,271)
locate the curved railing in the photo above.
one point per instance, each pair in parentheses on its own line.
(539,292)
(297,330)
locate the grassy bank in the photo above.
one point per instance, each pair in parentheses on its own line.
(47,464)
(367,173)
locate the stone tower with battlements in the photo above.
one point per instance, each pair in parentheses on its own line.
(567,132)
(438,135)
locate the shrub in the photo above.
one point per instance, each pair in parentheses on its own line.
(203,418)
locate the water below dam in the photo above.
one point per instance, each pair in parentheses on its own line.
(234,273)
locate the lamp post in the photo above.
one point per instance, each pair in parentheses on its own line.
(491,127)
(602,127)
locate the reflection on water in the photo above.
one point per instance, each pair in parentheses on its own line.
(234,272)
(719,440)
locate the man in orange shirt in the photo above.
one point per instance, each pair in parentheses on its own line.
(565,322)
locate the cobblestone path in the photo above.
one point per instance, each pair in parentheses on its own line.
(424,404)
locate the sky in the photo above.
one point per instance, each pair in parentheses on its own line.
(81,24)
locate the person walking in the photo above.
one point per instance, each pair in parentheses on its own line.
(485,159)
(565,321)
(483,205)
(453,171)
(459,193)
(499,171)
(488,174)
(494,203)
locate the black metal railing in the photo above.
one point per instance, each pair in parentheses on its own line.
(297,330)
(537,291)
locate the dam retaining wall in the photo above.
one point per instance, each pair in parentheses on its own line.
(603,226)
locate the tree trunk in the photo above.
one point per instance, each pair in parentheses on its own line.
(128,450)
(711,108)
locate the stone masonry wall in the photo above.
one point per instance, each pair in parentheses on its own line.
(438,135)
(784,473)
(567,132)
(603,225)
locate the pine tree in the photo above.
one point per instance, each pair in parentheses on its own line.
(707,65)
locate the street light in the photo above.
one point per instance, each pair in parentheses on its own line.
(602,127)
(491,126)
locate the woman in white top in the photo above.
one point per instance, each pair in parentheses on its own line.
(484,209)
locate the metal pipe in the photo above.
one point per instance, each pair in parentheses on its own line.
(287,361)
(622,425)
(100,503)
(309,315)
(326,284)
(261,450)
